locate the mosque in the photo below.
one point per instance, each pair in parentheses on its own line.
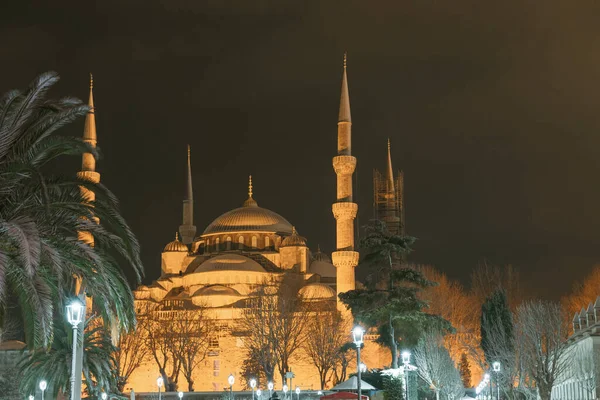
(221,266)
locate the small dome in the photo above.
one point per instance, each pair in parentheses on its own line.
(176,246)
(293,240)
(317,291)
(320,256)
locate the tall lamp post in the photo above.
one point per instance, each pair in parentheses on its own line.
(231,381)
(252,385)
(159,383)
(486,379)
(31,397)
(298,392)
(285,390)
(358,335)
(180,395)
(104,396)
(496,368)
(270,386)
(43,386)
(406,362)
(258,394)
(74,316)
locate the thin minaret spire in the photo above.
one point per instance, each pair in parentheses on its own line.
(389,170)
(344,209)
(187,228)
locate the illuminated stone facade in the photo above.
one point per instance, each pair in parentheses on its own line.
(239,250)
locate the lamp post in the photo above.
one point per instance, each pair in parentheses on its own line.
(252,385)
(104,396)
(285,390)
(159,382)
(258,393)
(31,397)
(180,395)
(231,381)
(43,386)
(74,316)
(406,362)
(298,392)
(270,386)
(486,379)
(358,335)
(496,368)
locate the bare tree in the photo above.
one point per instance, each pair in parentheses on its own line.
(160,341)
(131,353)
(435,366)
(190,341)
(487,278)
(326,333)
(274,321)
(541,338)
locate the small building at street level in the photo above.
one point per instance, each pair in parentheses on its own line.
(220,266)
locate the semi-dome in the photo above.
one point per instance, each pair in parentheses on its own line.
(317,291)
(229,262)
(176,246)
(249,217)
(216,290)
(324,268)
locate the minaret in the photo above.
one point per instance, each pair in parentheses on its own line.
(88,163)
(344,210)
(187,228)
(388,196)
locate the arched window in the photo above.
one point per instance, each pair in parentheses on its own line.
(241,242)
(254,242)
(228,243)
(208,245)
(217,244)
(267,242)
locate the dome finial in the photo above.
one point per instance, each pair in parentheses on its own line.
(250,202)
(345,58)
(177,236)
(250,186)
(91,81)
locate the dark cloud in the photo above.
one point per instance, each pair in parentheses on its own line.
(491,108)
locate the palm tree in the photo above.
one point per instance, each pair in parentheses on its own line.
(54,364)
(40,215)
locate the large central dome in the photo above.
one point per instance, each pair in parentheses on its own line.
(249,217)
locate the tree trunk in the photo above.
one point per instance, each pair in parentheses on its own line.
(393,345)
(190,384)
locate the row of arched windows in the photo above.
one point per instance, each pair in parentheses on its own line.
(240,241)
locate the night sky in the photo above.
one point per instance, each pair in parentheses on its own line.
(491,107)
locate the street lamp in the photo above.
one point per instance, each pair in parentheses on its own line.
(231,381)
(496,368)
(159,382)
(43,386)
(270,386)
(285,389)
(31,397)
(486,379)
(258,393)
(298,391)
(180,395)
(74,316)
(358,335)
(406,362)
(252,385)
(104,396)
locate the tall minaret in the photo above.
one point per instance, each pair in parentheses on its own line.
(345,258)
(88,163)
(388,197)
(187,228)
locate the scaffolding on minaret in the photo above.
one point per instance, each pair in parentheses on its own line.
(388,198)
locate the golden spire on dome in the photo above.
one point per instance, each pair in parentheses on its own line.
(177,236)
(91,81)
(250,202)
(344,114)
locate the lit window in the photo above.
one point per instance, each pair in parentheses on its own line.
(241,242)
(213,342)
(217,244)
(267,241)
(228,243)
(254,242)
